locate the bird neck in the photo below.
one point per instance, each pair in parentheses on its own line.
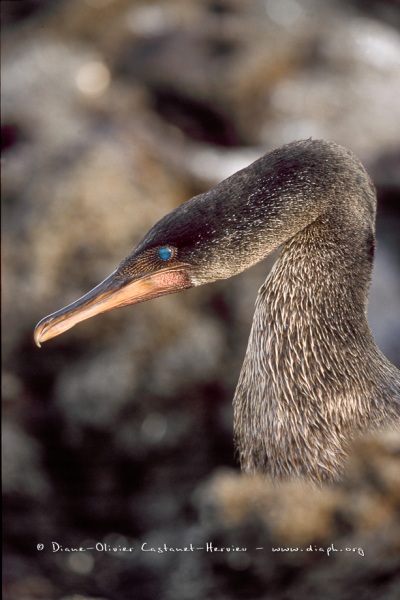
(322,278)
(300,389)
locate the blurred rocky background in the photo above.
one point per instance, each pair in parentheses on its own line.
(120,431)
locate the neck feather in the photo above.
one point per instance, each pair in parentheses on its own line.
(303,392)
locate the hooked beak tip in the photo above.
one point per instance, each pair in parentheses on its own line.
(38,333)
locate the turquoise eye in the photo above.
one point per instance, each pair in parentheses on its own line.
(164,253)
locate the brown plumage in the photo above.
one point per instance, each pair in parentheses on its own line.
(313,377)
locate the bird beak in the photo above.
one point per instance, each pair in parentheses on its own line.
(114,292)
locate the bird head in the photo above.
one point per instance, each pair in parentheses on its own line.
(176,254)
